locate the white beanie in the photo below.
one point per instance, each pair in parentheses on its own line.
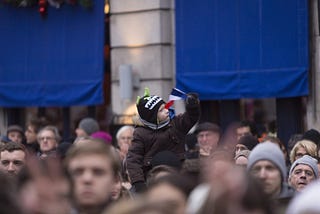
(270,152)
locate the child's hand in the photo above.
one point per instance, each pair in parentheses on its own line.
(192,98)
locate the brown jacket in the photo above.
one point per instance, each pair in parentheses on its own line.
(148,142)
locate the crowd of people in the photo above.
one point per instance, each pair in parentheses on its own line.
(164,164)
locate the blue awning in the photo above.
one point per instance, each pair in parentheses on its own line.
(56,61)
(242,48)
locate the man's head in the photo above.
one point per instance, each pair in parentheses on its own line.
(33,126)
(124,138)
(241,158)
(266,163)
(12,158)
(15,133)
(247,142)
(48,138)
(86,127)
(302,172)
(93,168)
(246,128)
(208,135)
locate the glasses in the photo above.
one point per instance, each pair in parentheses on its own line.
(126,138)
(46,138)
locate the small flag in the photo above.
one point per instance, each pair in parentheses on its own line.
(175,94)
(169,104)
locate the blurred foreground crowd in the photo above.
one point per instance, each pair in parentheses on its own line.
(164,164)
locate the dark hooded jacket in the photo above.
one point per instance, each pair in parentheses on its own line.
(147,142)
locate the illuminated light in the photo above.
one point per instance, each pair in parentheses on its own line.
(131,113)
(106,8)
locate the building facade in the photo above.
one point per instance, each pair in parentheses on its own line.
(143,36)
(147,44)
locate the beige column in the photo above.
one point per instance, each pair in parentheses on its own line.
(313,101)
(141,34)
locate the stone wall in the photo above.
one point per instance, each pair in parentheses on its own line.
(141,35)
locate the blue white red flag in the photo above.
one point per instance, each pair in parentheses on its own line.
(175,94)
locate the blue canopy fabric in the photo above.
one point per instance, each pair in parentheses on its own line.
(236,49)
(52,61)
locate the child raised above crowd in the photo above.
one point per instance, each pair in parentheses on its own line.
(158,132)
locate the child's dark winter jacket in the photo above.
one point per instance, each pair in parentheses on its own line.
(147,142)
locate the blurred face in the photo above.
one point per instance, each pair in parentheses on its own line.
(269,176)
(81,133)
(93,179)
(163,113)
(125,140)
(47,141)
(12,162)
(31,135)
(207,141)
(240,147)
(45,192)
(167,193)
(116,190)
(301,176)
(45,197)
(300,153)
(242,161)
(15,136)
(243,131)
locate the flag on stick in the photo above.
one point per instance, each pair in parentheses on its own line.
(175,94)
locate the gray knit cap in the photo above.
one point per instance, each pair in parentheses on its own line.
(270,152)
(89,125)
(306,160)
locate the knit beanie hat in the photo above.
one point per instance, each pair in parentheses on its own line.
(249,141)
(89,125)
(148,107)
(306,160)
(15,128)
(105,136)
(270,152)
(312,135)
(207,126)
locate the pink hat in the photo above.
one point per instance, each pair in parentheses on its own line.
(105,136)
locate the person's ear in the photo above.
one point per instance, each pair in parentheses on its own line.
(289,180)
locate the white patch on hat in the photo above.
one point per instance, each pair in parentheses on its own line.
(152,102)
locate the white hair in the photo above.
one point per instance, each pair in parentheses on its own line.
(123,129)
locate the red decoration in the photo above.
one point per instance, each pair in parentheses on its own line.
(43,7)
(73,2)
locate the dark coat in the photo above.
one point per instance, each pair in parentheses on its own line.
(148,142)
